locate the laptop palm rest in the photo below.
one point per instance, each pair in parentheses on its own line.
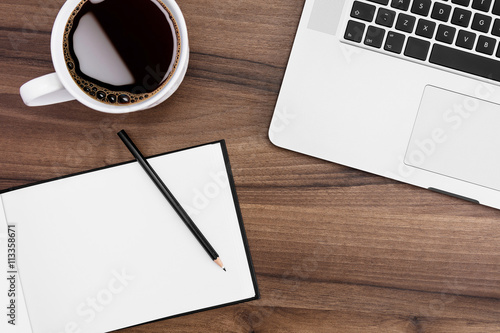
(458,136)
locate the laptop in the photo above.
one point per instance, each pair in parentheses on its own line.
(405,89)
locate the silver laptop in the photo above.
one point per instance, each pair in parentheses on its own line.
(405,89)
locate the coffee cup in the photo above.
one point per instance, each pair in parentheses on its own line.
(114,56)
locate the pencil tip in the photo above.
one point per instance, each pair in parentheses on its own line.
(224,268)
(219,262)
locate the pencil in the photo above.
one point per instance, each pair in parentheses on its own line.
(170,198)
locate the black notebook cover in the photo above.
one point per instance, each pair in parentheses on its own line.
(115,251)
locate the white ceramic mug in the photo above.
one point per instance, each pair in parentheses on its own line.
(60,87)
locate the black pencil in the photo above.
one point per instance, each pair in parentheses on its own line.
(170,198)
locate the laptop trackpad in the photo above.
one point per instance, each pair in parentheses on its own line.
(457,136)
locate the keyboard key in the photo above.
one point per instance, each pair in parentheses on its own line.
(485,45)
(482,5)
(445,34)
(461,17)
(481,23)
(400,4)
(441,11)
(374,36)
(394,42)
(461,2)
(385,17)
(421,7)
(363,11)
(417,48)
(465,62)
(382,2)
(425,28)
(496,8)
(496,28)
(354,31)
(465,39)
(406,22)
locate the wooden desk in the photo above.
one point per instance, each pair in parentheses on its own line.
(335,249)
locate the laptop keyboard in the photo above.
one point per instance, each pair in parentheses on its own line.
(461,35)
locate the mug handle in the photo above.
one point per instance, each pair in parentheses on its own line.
(45,90)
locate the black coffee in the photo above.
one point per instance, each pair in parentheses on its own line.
(121,51)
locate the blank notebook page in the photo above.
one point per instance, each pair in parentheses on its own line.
(104,250)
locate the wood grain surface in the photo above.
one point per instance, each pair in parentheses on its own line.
(335,249)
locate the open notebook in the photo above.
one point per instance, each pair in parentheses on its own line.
(104,250)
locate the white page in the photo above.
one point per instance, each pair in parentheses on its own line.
(104,250)
(15,321)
